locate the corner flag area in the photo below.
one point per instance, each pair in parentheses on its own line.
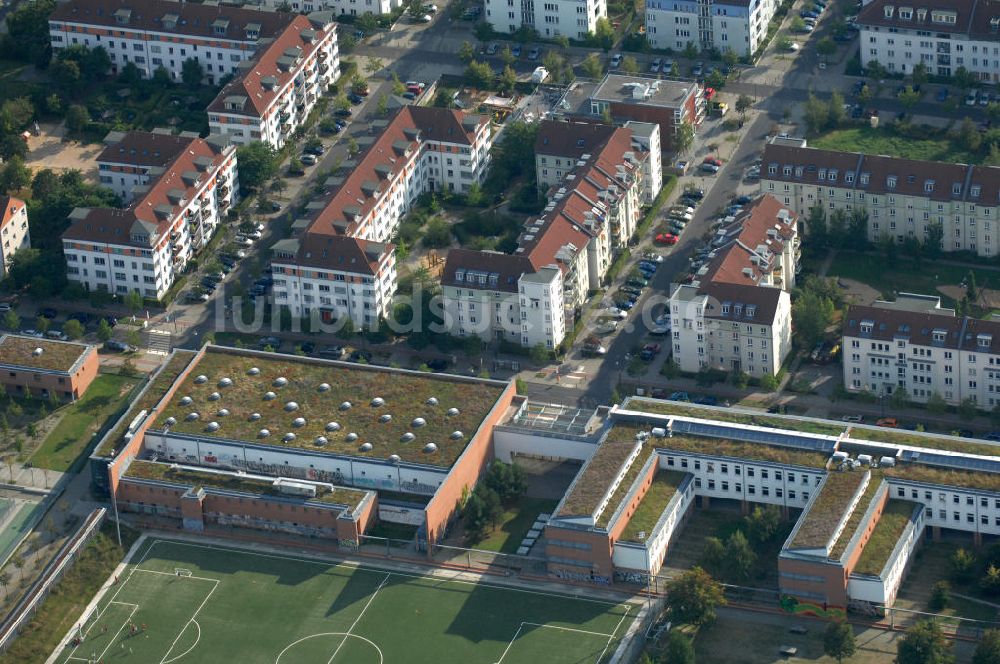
(195,603)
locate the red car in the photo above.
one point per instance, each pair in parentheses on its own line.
(649,351)
(666,238)
(715,161)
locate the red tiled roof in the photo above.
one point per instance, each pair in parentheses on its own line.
(750,231)
(192,18)
(114,226)
(381,163)
(335,252)
(11,206)
(145,148)
(249,84)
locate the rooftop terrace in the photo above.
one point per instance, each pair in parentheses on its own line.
(883,540)
(593,482)
(150,397)
(651,507)
(819,522)
(55,355)
(330,406)
(189,477)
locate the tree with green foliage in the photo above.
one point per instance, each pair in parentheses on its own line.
(77,117)
(963,78)
(73,329)
(969,136)
(382,107)
(924,643)
(838,641)
(192,72)
(919,75)
(367,23)
(908,97)
(683,137)
(437,235)
(691,50)
(988,648)
(826,47)
(11,320)
(936,403)
(743,104)
(693,597)
(66,74)
(740,558)
(763,523)
(374,64)
(713,555)
(592,66)
(104,331)
(479,74)
(940,596)
(539,354)
(508,480)
(466,52)
(257,163)
(507,79)
(797,24)
(679,649)
(507,56)
(27,38)
(811,313)
(133,301)
(967,408)
(816,114)
(42,324)
(630,65)
(604,33)
(14,175)
(900,397)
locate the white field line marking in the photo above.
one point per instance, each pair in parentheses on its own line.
(425,577)
(610,638)
(123,603)
(115,637)
(193,645)
(511,644)
(381,657)
(193,616)
(565,629)
(358,619)
(196,578)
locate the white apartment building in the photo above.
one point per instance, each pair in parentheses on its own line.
(133,159)
(145,246)
(902,197)
(915,344)
(551,18)
(736,25)
(335,276)
(273,94)
(503,297)
(942,35)
(338,7)
(736,315)
(646,138)
(14,233)
(418,150)
(161,33)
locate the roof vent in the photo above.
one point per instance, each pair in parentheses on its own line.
(254,417)
(171,421)
(432,401)
(291,406)
(191,417)
(225,382)
(186,401)
(324,387)
(299,422)
(37,352)
(263,433)
(418,422)
(332,426)
(346,405)
(253,371)
(385,419)
(321,440)
(407,437)
(288,437)
(430,448)
(201,380)
(351,437)
(365,447)
(456,435)
(378,401)
(223,412)
(214,396)
(452,412)
(280,381)
(212,426)
(394,458)
(270,396)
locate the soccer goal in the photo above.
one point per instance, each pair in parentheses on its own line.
(180,571)
(89,620)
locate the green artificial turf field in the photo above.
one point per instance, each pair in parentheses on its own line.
(192,603)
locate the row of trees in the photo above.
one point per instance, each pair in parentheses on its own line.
(503,485)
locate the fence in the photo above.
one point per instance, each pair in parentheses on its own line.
(54,571)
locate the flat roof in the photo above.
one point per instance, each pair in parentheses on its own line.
(625,486)
(317,393)
(194,477)
(854,522)
(887,531)
(820,520)
(17,351)
(656,91)
(593,481)
(736,415)
(651,507)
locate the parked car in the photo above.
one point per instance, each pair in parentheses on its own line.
(492,48)
(5,306)
(437,364)
(993,436)
(607,327)
(666,239)
(615,312)
(698,69)
(273,342)
(942,94)
(647,265)
(592,347)
(652,257)
(194,296)
(637,282)
(712,160)
(308,160)
(654,66)
(362,356)
(516,50)
(742,200)
(679,396)
(118,346)
(622,303)
(855,419)
(48,312)
(315,150)
(58,335)
(711,169)
(534,53)
(332,352)
(694,193)
(616,60)
(343,112)
(707,400)
(649,351)
(890,422)
(660,331)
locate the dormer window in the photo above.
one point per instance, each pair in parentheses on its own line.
(772,169)
(866,326)
(890,182)
(956,189)
(787,170)
(751,310)
(928,186)
(939,335)
(984,340)
(995,23)
(944,17)
(865,177)
(975,190)
(822,174)
(921,15)
(832,176)
(798,171)
(122,16)
(906,13)
(888,9)
(849,178)
(459,276)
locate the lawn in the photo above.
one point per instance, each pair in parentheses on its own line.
(517,521)
(257,607)
(886,142)
(651,507)
(66,602)
(82,418)
(905,275)
(828,507)
(884,537)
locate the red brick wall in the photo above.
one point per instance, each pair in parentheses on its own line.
(645,481)
(596,560)
(662,116)
(466,471)
(26,380)
(866,534)
(833,583)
